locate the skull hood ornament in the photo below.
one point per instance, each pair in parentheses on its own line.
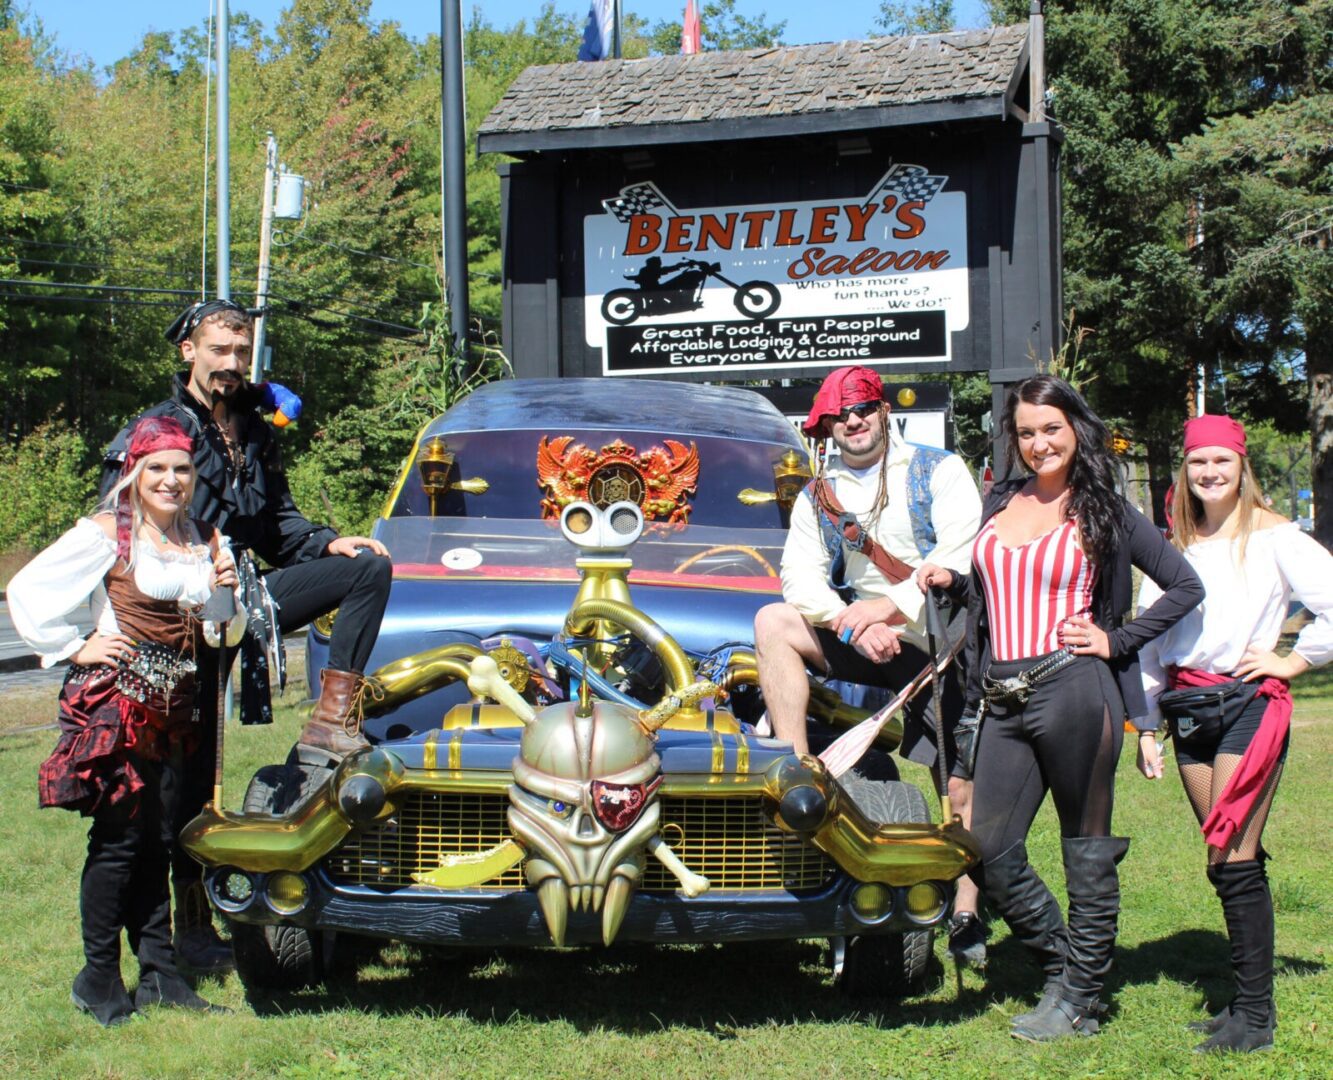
(584,804)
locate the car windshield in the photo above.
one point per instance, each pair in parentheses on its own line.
(509,549)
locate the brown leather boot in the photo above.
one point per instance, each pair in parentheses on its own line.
(335,725)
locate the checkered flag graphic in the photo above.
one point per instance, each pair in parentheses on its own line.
(637,199)
(910,183)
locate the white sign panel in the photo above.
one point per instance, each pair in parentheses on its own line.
(820,283)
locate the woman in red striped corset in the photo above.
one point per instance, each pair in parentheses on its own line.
(1055,673)
(1252,562)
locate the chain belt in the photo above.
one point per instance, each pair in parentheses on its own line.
(1015,690)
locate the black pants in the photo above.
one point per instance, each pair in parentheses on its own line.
(358,588)
(918,742)
(124,883)
(1066,739)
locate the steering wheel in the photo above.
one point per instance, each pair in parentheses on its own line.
(743,549)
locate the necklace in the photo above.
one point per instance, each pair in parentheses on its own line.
(163,535)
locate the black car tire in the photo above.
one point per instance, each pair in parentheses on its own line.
(887,802)
(887,965)
(279,957)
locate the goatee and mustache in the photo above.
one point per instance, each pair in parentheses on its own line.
(222,384)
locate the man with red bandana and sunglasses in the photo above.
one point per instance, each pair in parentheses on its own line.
(852,610)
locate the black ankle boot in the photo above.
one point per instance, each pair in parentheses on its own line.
(1094,908)
(1014,889)
(1247,907)
(1238,1032)
(102,996)
(170,991)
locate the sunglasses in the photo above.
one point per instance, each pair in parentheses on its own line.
(863,411)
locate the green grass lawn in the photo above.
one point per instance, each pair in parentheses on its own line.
(736,1011)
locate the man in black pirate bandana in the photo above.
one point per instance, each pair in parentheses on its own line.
(242,489)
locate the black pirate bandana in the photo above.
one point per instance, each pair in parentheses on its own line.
(190,319)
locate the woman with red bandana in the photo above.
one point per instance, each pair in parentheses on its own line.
(1252,562)
(127,707)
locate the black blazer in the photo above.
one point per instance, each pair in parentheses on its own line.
(1139,543)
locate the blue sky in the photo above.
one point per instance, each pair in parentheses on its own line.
(104,32)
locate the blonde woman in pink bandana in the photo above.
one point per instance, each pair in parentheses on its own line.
(1216,679)
(127,711)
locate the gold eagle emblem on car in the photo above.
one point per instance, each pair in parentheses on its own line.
(658,480)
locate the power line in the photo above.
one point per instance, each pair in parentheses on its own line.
(358,251)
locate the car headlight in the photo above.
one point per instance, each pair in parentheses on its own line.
(287,893)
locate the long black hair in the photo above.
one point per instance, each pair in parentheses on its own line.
(1093,500)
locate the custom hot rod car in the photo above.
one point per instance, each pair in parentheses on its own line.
(561,715)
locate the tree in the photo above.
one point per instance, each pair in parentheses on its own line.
(722,28)
(920,17)
(1170,199)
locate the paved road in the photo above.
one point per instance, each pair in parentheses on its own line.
(14,652)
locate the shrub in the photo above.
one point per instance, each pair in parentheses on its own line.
(47,485)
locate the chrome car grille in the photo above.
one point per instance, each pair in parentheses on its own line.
(728,840)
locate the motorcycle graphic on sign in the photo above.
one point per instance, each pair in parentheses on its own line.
(658,295)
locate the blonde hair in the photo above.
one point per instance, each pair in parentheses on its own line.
(130,483)
(1187,510)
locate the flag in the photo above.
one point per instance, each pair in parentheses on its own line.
(637,199)
(690,33)
(598,31)
(910,183)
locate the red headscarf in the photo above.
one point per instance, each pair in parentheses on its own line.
(148,436)
(841,390)
(1214,429)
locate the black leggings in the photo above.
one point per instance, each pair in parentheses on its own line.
(1066,739)
(124,885)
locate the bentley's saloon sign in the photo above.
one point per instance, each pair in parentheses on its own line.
(880,279)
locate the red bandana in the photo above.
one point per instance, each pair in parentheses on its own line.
(841,390)
(149,435)
(1214,429)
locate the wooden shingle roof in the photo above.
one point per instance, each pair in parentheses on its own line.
(837,86)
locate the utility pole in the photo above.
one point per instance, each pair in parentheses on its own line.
(616,16)
(224,158)
(265,242)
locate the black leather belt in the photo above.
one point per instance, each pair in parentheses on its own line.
(1015,690)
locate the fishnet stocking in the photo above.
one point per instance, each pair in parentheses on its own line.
(1203,785)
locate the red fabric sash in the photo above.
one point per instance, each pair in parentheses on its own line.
(1242,791)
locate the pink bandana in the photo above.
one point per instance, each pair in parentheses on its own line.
(149,435)
(1215,430)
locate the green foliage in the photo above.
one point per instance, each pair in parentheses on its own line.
(47,485)
(344,475)
(916,17)
(721,27)
(1197,183)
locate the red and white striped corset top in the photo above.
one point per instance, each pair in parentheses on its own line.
(1032,589)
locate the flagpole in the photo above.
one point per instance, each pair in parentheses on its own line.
(453,174)
(616,15)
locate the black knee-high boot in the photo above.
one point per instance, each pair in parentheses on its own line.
(1094,908)
(104,893)
(1014,889)
(1247,907)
